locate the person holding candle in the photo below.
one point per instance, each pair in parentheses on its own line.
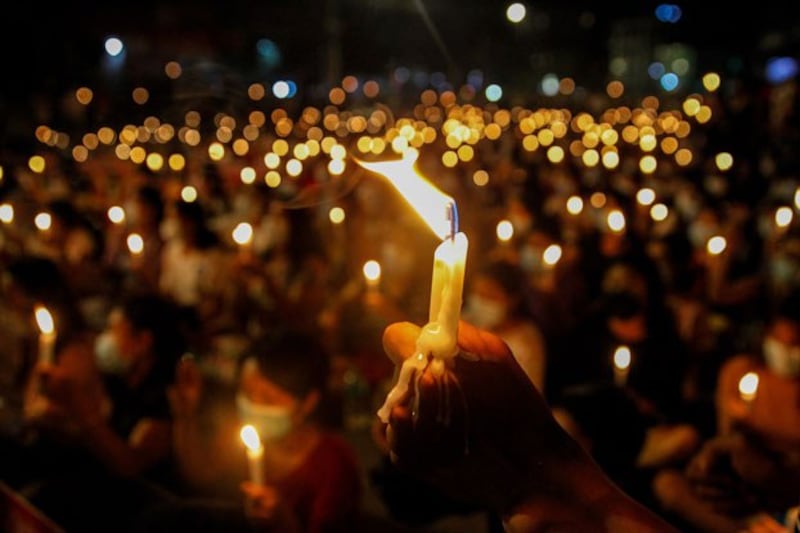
(751,464)
(103,448)
(513,457)
(309,479)
(495,302)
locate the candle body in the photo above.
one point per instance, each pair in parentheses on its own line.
(255,459)
(438,340)
(47,344)
(620,376)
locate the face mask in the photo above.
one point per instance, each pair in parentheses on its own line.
(485,313)
(271,421)
(107,354)
(782,359)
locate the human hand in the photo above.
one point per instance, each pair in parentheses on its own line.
(502,443)
(714,479)
(185,394)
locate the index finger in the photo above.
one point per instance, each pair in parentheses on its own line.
(400,342)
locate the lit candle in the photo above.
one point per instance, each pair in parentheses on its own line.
(504,231)
(47,335)
(6,213)
(552,255)
(135,244)
(748,387)
(622,365)
(616,221)
(372,274)
(437,343)
(43,221)
(255,453)
(243,236)
(116,214)
(716,245)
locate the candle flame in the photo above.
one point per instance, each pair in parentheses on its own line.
(748,385)
(622,357)
(372,270)
(44,320)
(250,437)
(436,208)
(242,233)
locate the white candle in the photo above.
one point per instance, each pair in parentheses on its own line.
(47,335)
(622,365)
(437,343)
(255,453)
(748,388)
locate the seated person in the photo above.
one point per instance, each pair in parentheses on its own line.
(311,478)
(102,419)
(752,466)
(501,448)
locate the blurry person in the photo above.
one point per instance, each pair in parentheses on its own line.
(502,449)
(103,419)
(145,215)
(751,465)
(311,477)
(192,265)
(495,302)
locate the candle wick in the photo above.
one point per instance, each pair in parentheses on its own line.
(452,217)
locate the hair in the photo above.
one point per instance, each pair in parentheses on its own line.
(194,213)
(151,196)
(293,359)
(153,313)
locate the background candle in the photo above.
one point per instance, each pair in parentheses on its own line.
(372,274)
(255,453)
(243,236)
(622,365)
(748,387)
(47,335)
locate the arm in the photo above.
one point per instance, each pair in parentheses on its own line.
(517,459)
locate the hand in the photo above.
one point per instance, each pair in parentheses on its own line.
(261,501)
(715,480)
(184,396)
(509,446)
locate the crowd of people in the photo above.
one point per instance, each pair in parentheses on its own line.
(165,347)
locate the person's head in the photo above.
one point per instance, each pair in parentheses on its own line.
(495,293)
(30,281)
(193,225)
(148,207)
(282,382)
(782,338)
(626,317)
(144,335)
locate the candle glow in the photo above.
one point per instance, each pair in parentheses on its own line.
(255,453)
(622,365)
(243,233)
(372,272)
(748,386)
(47,336)
(437,343)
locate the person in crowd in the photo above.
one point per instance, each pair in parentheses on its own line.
(495,302)
(192,265)
(751,466)
(101,445)
(502,448)
(311,477)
